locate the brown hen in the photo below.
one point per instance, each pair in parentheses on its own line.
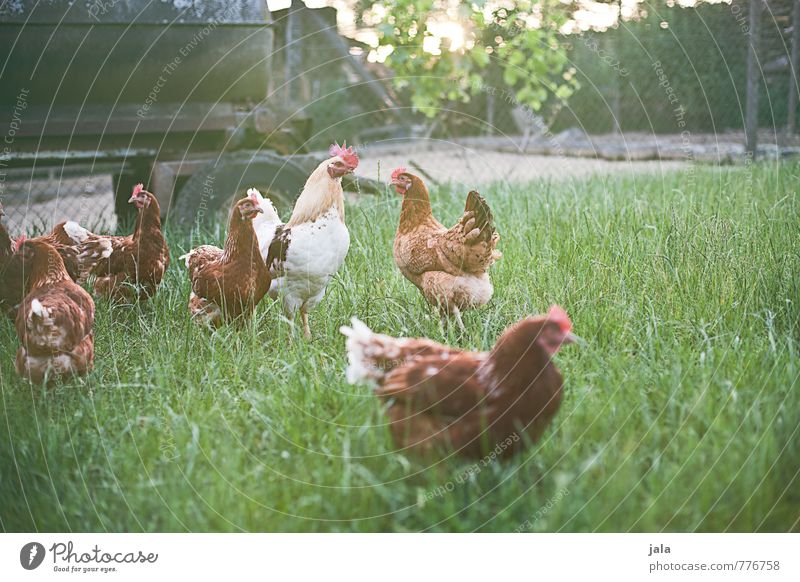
(13,279)
(129,267)
(449,266)
(473,402)
(55,320)
(228,283)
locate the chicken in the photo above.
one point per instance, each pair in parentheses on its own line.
(228,283)
(303,254)
(66,237)
(128,267)
(471,401)
(55,320)
(449,267)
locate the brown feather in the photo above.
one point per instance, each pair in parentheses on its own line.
(66,247)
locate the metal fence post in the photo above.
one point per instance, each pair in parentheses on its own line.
(791,114)
(751,112)
(294,55)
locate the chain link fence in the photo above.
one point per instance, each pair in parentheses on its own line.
(662,91)
(33,205)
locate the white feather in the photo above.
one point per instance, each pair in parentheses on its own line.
(107,248)
(266,223)
(38,309)
(76,232)
(270,214)
(358,338)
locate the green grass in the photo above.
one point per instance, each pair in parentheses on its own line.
(681,411)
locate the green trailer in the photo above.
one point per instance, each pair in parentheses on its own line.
(178,94)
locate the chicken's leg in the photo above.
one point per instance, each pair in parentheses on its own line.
(306,329)
(446,317)
(457,315)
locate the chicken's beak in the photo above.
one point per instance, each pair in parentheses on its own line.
(399,186)
(259,210)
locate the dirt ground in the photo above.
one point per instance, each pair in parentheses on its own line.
(471,165)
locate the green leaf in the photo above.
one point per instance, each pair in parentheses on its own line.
(564,92)
(480,56)
(510,76)
(516,58)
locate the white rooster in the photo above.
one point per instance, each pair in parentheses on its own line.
(303,254)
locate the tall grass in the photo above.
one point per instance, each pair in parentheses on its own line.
(681,411)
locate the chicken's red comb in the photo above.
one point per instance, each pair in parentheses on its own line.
(559,316)
(398,171)
(18,243)
(348,154)
(137,189)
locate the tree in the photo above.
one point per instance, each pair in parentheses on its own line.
(517,46)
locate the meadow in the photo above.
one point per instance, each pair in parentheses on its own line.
(681,409)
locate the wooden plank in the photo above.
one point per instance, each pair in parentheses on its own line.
(126,119)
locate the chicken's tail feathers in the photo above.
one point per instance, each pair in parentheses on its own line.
(185,258)
(478,219)
(361,367)
(196,258)
(76,232)
(372,356)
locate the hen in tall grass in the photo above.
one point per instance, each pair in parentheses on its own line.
(55,321)
(304,254)
(472,402)
(449,266)
(128,267)
(228,283)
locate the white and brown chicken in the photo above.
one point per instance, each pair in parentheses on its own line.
(306,252)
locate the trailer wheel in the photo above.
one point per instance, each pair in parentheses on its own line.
(208,195)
